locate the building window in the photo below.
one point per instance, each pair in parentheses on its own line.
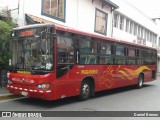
(116,20)
(146,35)
(101,22)
(149,37)
(155,38)
(142,33)
(54,9)
(121,23)
(139,29)
(127,25)
(135,29)
(131,27)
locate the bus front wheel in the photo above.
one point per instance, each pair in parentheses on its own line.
(140,81)
(85,91)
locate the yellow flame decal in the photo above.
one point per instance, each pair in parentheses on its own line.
(125,74)
(142,68)
(132,74)
(108,78)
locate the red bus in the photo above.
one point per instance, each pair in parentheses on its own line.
(52,62)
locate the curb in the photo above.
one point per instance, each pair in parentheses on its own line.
(8,96)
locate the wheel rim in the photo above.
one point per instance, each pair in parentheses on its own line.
(85,90)
(141,81)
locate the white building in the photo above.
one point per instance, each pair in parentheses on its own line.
(94,16)
(133,25)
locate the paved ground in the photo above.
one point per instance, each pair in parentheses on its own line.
(4,92)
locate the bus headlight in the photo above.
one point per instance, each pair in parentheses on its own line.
(43,86)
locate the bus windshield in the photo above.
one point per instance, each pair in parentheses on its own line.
(32,53)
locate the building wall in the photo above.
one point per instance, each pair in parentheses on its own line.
(80,14)
(132,13)
(132,31)
(135,14)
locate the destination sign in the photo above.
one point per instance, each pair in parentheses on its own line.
(27,33)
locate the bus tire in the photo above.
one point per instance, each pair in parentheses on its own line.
(140,81)
(85,91)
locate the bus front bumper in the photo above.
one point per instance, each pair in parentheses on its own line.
(30,92)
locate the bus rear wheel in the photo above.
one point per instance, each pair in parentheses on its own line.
(85,92)
(140,81)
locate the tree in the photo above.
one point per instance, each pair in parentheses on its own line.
(6,26)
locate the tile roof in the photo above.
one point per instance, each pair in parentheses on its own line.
(34,19)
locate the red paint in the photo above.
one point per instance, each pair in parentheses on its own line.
(105,77)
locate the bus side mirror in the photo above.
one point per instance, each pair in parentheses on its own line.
(43,35)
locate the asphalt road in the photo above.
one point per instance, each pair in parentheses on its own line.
(122,99)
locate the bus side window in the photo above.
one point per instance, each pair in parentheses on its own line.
(65,55)
(83,59)
(137,53)
(106,50)
(131,56)
(120,61)
(88,51)
(92,59)
(120,50)
(65,50)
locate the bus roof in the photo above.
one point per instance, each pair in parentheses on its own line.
(33,26)
(67,29)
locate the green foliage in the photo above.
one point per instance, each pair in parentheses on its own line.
(5,31)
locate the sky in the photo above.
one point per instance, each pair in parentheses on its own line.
(149,7)
(11,4)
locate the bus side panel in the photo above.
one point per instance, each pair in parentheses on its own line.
(68,84)
(66,88)
(105,77)
(151,74)
(110,77)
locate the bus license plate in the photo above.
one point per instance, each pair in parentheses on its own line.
(24,93)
